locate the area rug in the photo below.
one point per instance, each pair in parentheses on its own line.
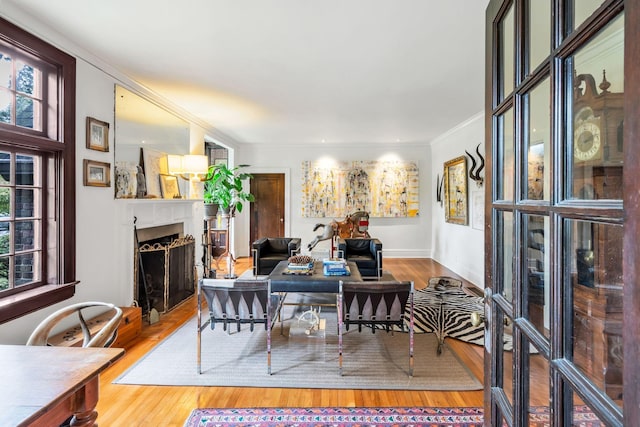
(347,417)
(379,417)
(370,361)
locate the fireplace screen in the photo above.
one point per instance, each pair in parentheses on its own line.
(165,273)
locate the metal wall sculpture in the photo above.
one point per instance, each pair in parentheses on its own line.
(382,188)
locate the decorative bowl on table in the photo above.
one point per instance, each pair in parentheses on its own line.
(299,264)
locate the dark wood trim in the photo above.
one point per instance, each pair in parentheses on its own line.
(62,146)
(29,301)
(631,250)
(491,96)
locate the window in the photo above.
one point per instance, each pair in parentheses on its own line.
(37,173)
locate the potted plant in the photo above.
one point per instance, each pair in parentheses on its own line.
(224,187)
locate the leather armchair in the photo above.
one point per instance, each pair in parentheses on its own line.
(269,251)
(366,253)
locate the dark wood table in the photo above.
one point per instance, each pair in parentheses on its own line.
(314,283)
(43,386)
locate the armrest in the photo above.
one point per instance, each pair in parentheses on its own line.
(261,243)
(294,246)
(342,247)
(376,249)
(376,246)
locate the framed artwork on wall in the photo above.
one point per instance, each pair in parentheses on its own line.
(96,174)
(477,210)
(97,134)
(455,191)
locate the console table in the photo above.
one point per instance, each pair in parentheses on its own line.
(43,386)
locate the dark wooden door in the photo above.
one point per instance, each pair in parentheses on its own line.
(267,212)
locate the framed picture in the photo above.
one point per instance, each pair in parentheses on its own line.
(477,210)
(97,134)
(169,187)
(455,191)
(96,174)
(154,165)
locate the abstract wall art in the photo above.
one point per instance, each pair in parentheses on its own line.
(337,189)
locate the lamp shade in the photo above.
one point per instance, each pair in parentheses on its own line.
(174,164)
(195,164)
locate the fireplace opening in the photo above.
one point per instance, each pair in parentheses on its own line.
(164,268)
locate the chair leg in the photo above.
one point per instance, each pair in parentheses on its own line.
(411,334)
(339,310)
(269,349)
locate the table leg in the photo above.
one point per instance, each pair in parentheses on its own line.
(84,404)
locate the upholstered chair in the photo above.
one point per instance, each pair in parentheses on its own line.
(366,253)
(269,251)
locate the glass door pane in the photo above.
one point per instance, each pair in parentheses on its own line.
(539,32)
(598,113)
(537,155)
(594,274)
(505,159)
(537,275)
(507,63)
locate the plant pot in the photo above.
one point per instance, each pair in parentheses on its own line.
(210,210)
(223,211)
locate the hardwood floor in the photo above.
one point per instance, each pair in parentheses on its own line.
(130,405)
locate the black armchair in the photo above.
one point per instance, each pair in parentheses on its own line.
(269,251)
(366,253)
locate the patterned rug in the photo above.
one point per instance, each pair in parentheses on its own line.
(347,417)
(352,417)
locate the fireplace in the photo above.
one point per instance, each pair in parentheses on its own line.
(164,267)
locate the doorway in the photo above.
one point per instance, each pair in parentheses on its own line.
(268,211)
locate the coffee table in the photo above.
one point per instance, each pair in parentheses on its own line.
(316,282)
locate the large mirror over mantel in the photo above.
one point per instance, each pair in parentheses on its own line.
(145,134)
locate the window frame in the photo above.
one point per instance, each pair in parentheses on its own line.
(56,143)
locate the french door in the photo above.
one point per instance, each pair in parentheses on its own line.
(562,253)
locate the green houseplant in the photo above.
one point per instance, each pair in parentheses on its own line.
(224,187)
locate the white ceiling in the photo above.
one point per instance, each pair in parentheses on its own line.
(292,71)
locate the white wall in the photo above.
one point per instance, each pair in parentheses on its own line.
(458,247)
(401,237)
